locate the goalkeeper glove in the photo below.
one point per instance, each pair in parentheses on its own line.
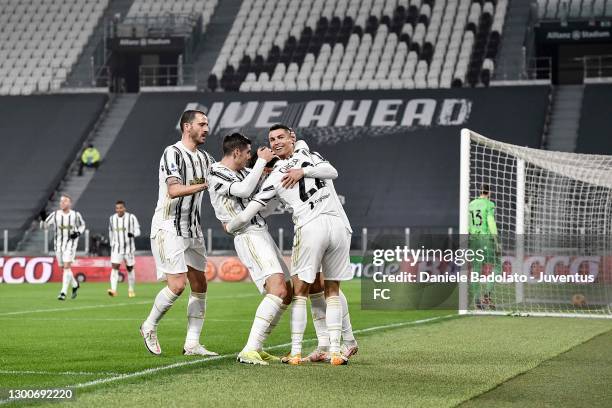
(75,235)
(130,235)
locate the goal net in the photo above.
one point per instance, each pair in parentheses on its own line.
(552,254)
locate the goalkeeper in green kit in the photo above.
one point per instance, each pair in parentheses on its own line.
(483,238)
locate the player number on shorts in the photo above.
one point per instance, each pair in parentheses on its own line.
(476,218)
(305,195)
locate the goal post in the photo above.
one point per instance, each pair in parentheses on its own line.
(553,210)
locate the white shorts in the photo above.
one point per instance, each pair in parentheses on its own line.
(173,254)
(323,244)
(259,253)
(117,258)
(66,254)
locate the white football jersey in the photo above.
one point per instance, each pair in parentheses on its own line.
(307,199)
(225,204)
(118,230)
(181,215)
(64,224)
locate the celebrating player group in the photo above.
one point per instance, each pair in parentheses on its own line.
(286,172)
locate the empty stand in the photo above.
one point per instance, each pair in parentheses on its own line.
(153,9)
(573,9)
(40,41)
(40,137)
(359,44)
(595,128)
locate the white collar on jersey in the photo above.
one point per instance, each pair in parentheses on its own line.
(180,145)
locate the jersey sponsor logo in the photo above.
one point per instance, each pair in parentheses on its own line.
(290,164)
(197,180)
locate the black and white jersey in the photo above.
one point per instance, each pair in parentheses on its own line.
(181,215)
(119,229)
(225,204)
(308,199)
(63,225)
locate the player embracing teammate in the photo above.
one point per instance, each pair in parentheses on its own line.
(322,234)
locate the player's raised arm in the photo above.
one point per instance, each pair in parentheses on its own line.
(244,216)
(246,187)
(320,169)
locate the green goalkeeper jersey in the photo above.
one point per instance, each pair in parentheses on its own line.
(482,216)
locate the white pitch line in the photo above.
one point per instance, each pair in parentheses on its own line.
(105,319)
(101,306)
(21,372)
(69,309)
(206,359)
(200,360)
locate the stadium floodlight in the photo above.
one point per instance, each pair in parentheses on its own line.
(554,217)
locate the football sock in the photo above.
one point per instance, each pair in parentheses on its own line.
(196,312)
(347,328)
(163,302)
(114,278)
(72,279)
(282,308)
(298,324)
(66,280)
(268,309)
(317,309)
(131,279)
(333,318)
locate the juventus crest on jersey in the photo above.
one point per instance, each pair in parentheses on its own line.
(225,204)
(64,224)
(182,214)
(119,229)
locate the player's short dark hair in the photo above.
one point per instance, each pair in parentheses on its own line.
(120,202)
(188,116)
(66,195)
(485,189)
(235,141)
(280,126)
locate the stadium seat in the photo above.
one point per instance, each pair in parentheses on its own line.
(44,35)
(368,39)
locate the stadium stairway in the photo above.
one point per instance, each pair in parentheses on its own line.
(565,118)
(103,136)
(209,48)
(510,59)
(80,75)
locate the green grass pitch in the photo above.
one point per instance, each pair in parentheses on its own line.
(412,358)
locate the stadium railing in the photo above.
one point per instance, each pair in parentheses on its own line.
(533,69)
(364,240)
(597,68)
(167,75)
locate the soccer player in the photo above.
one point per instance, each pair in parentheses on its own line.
(177,241)
(231,186)
(69,225)
(317,298)
(321,237)
(123,227)
(483,237)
